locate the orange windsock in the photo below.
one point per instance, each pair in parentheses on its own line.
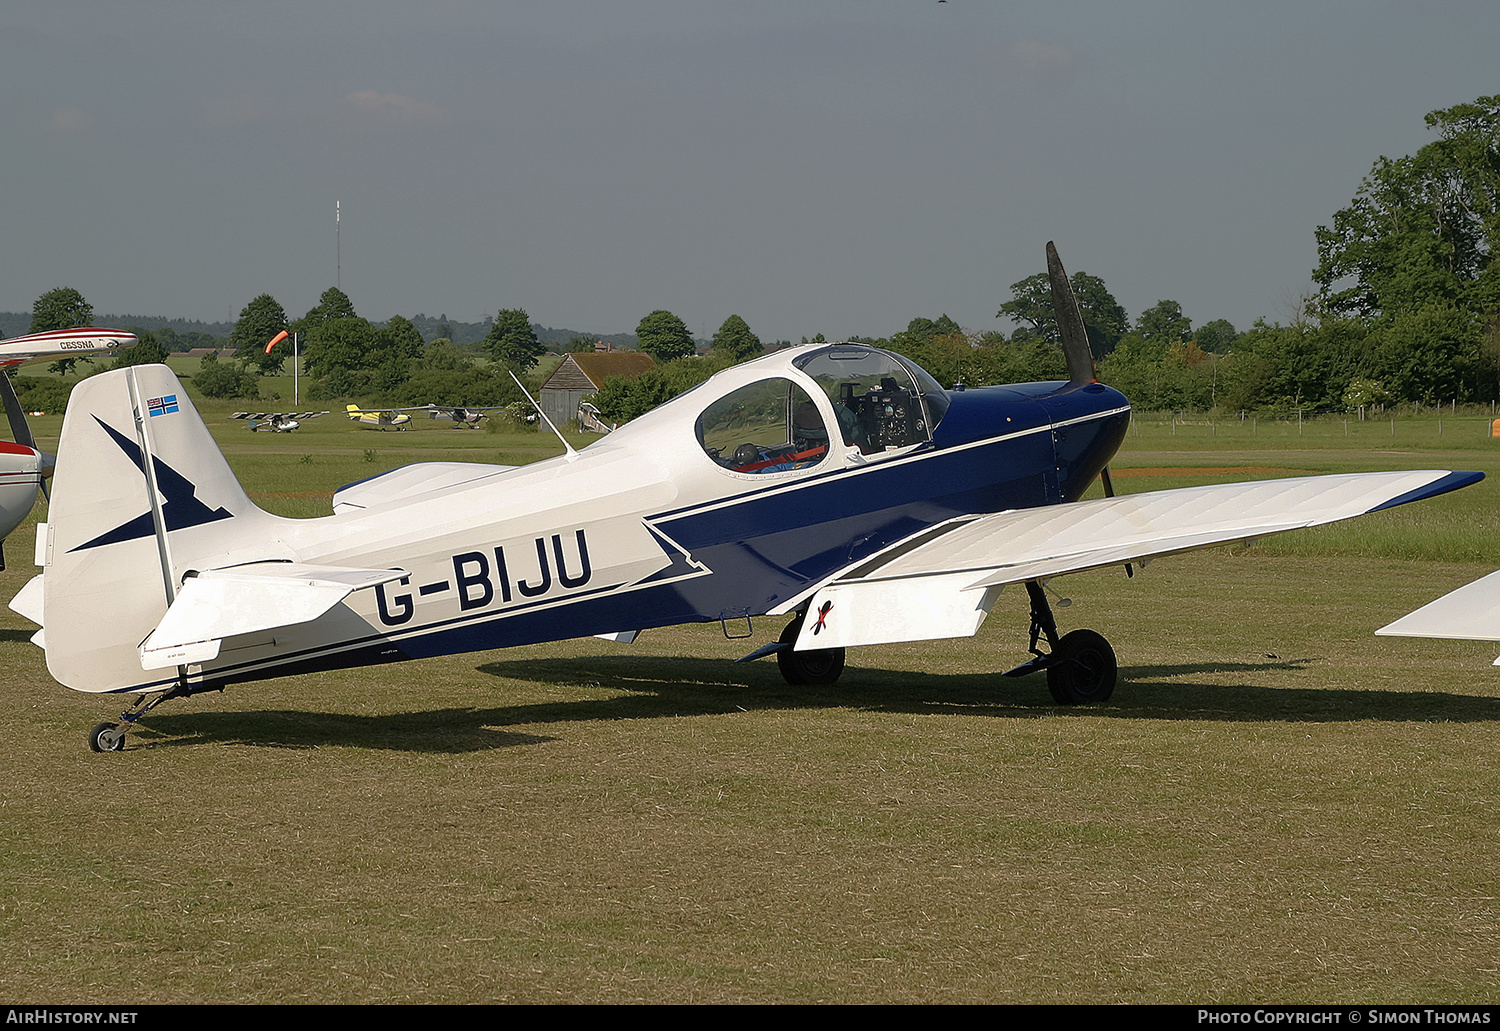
(278,338)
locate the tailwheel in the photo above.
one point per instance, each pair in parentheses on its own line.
(819,666)
(107,737)
(1082,670)
(110,737)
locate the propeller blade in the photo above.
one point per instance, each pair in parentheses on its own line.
(19,427)
(1071,334)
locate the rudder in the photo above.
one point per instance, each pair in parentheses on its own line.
(141,495)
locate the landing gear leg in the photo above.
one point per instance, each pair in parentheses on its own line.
(820,666)
(1081,667)
(110,737)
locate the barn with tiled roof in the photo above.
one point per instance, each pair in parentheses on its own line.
(579,375)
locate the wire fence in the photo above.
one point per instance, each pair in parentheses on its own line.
(1428,425)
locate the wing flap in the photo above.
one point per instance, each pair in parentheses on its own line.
(221,603)
(905,598)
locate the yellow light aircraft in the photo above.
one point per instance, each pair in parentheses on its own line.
(381,418)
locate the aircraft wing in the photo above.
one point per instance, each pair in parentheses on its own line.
(1471,613)
(942,582)
(62,343)
(220,603)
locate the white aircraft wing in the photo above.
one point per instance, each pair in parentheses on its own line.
(220,603)
(1471,613)
(62,343)
(942,583)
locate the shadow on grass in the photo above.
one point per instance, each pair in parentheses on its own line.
(19,636)
(440,730)
(665,687)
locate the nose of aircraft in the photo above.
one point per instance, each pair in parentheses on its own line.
(1088,424)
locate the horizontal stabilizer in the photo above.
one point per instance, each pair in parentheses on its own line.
(1471,613)
(28,600)
(220,603)
(912,595)
(408,481)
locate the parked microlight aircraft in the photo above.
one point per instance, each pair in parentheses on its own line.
(22,464)
(463,418)
(275,422)
(381,418)
(1471,613)
(836,484)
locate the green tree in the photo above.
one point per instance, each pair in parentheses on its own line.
(664,337)
(1164,321)
(338,345)
(225,379)
(622,398)
(1104,319)
(333,304)
(445,355)
(398,349)
(1422,229)
(1429,353)
(1217,336)
(512,340)
(259,322)
(401,340)
(63,308)
(735,340)
(148,351)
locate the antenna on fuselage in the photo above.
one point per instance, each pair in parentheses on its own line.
(571,453)
(1074,338)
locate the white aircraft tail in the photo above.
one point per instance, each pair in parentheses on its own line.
(141,496)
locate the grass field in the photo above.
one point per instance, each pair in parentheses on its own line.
(1275,806)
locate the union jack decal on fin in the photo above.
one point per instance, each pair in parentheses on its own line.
(162,405)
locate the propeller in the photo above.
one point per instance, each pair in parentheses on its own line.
(1074,338)
(21,429)
(1070,330)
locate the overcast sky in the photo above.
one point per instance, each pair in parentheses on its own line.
(833,167)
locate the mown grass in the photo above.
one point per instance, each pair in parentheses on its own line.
(1276,806)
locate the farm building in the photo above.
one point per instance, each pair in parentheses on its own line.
(579,375)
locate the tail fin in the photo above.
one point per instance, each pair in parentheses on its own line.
(141,495)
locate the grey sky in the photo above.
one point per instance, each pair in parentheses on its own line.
(836,167)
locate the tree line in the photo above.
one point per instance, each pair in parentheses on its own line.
(1405,309)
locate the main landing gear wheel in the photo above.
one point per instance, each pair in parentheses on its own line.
(1083,669)
(819,666)
(107,737)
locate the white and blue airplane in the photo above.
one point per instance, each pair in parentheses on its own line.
(24,466)
(837,485)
